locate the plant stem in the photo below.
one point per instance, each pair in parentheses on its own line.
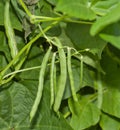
(25,8)
(67,114)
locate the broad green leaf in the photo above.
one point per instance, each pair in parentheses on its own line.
(111,98)
(111,17)
(84,114)
(109,123)
(79,9)
(13,110)
(15,105)
(104,6)
(111,95)
(79,34)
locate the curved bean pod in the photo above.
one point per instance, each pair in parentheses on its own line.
(52,78)
(9,30)
(71,75)
(62,79)
(40,85)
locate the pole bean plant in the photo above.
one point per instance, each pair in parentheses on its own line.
(59,64)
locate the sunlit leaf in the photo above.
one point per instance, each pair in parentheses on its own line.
(109,123)
(111,17)
(104,6)
(114,40)
(113,97)
(79,9)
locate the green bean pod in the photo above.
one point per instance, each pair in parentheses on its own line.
(62,79)
(40,85)
(52,78)
(81,71)
(71,75)
(9,30)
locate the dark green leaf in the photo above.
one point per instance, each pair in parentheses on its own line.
(79,34)
(111,34)
(34,59)
(111,96)
(15,106)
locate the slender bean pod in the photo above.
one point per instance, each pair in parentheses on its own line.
(40,85)
(81,70)
(62,79)
(52,79)
(9,30)
(71,75)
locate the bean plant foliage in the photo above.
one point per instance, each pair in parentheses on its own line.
(59,64)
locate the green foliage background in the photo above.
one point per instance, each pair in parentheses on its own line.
(92,28)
